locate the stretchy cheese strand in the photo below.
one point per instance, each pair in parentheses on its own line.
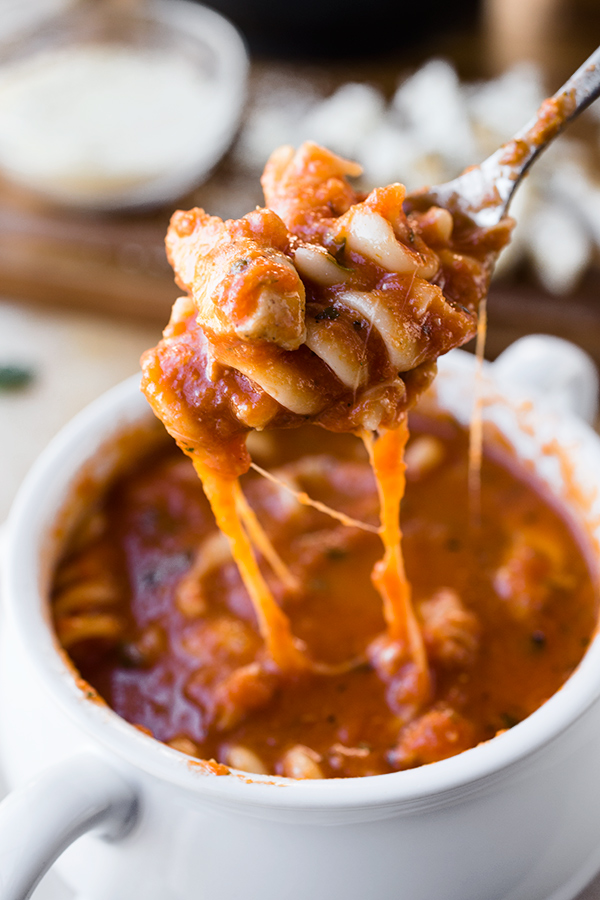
(389,577)
(274,625)
(261,541)
(303,498)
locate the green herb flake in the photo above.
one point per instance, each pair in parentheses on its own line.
(330,312)
(464,309)
(319,584)
(339,252)
(538,640)
(239,266)
(13,377)
(336,553)
(129,655)
(508,720)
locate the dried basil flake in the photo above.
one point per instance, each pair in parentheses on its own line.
(330,312)
(13,377)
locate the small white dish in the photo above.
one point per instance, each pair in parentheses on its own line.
(106,113)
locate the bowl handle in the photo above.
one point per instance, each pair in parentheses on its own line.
(52,810)
(558,375)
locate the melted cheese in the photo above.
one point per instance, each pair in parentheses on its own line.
(386,453)
(476,424)
(274,626)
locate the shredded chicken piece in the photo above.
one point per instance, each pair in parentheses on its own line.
(239,276)
(437,734)
(533,567)
(450,632)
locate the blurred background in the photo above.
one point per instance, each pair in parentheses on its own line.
(115,112)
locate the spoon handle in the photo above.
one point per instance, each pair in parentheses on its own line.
(483,193)
(507,165)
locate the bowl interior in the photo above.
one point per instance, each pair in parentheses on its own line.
(564,452)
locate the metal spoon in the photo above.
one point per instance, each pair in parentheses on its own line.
(483,193)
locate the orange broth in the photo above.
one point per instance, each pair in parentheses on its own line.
(506,611)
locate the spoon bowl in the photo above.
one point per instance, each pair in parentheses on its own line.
(483,193)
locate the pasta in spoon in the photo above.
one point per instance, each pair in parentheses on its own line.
(326,307)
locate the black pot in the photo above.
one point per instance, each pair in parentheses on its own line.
(334,29)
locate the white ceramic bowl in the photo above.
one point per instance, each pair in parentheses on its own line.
(517,818)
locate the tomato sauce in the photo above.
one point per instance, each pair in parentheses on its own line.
(151,607)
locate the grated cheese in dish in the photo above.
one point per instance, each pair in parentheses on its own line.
(110,124)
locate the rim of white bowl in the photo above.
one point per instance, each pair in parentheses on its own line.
(34,512)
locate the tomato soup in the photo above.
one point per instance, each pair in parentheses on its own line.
(151,607)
